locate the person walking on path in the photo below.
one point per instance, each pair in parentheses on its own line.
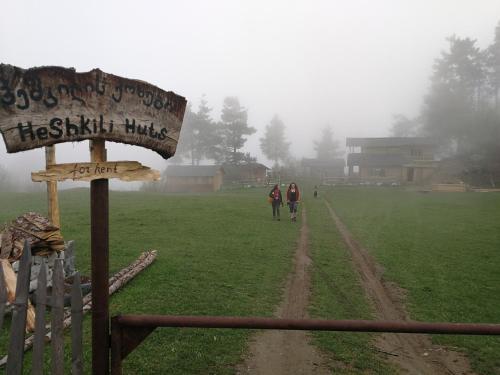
(292,199)
(276,200)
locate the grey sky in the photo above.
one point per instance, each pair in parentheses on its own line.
(350,64)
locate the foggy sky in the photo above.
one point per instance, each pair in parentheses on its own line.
(349,64)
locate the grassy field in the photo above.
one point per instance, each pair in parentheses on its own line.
(443,248)
(221,254)
(218,254)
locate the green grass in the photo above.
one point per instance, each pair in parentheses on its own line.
(443,248)
(221,254)
(218,254)
(337,294)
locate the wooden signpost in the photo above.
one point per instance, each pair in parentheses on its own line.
(52,198)
(49,105)
(123,170)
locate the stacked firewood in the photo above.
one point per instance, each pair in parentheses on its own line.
(44,238)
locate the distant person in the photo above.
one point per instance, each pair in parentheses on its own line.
(276,200)
(292,199)
(315,191)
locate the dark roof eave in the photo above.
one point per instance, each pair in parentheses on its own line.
(390,141)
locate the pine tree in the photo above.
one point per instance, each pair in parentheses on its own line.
(233,129)
(208,135)
(199,136)
(493,67)
(327,148)
(457,93)
(273,144)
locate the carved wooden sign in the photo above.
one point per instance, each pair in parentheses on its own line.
(48,105)
(124,170)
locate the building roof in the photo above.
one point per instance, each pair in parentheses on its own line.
(193,170)
(334,163)
(390,142)
(378,160)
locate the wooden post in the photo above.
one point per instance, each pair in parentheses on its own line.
(41,303)
(57,315)
(116,347)
(53,201)
(76,327)
(19,313)
(99,227)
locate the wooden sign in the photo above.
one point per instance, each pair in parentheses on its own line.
(48,105)
(124,170)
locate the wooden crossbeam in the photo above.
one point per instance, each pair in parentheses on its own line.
(123,170)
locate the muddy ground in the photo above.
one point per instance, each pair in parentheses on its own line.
(291,352)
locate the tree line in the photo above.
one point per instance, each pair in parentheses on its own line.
(462,109)
(203,138)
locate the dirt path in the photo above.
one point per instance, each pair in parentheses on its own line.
(414,354)
(288,352)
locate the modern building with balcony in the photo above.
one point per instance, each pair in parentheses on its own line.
(405,160)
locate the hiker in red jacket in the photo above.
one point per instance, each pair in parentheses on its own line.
(276,200)
(292,199)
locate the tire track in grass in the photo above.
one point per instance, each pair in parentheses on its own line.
(414,354)
(273,352)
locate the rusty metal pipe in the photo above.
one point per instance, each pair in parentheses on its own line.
(153,321)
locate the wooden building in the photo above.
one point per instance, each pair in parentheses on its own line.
(323,169)
(194,178)
(408,160)
(254,174)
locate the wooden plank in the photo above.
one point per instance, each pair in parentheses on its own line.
(11,286)
(53,200)
(41,303)
(57,312)
(3,297)
(69,259)
(18,325)
(76,327)
(48,105)
(123,170)
(10,279)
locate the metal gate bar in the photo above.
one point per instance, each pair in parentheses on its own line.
(128,331)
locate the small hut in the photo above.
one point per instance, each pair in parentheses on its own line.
(254,174)
(323,169)
(194,178)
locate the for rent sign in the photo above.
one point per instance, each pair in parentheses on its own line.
(49,105)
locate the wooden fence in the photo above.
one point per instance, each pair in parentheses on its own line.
(18,328)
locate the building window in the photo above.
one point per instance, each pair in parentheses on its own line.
(416,153)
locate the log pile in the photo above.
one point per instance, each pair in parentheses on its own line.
(43,237)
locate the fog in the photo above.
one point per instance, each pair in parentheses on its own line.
(351,65)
